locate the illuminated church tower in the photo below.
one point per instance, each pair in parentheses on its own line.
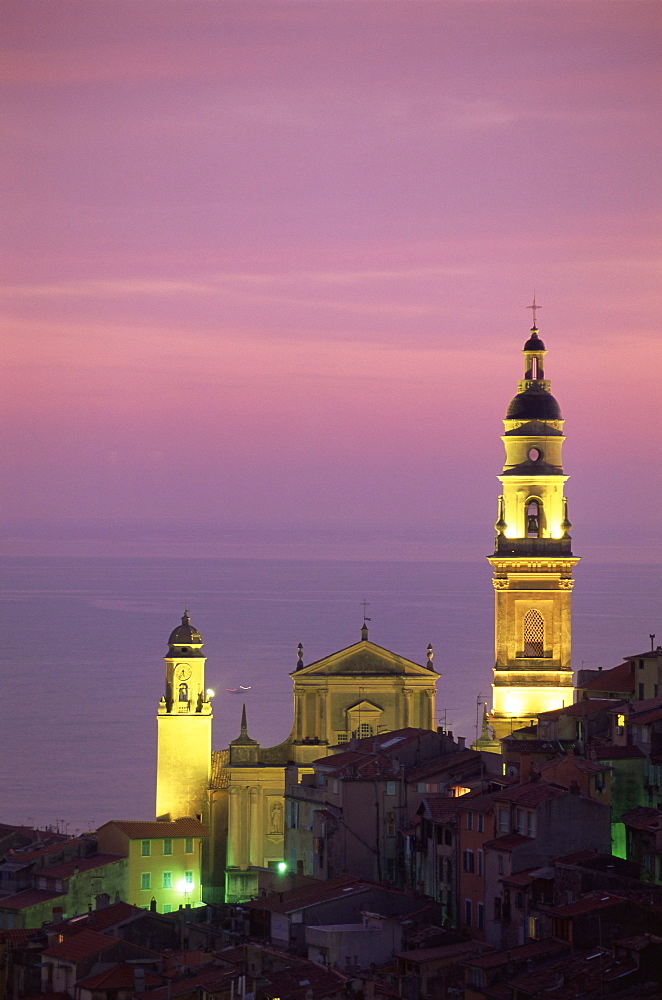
(184,730)
(532,559)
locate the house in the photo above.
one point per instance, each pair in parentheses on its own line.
(164,860)
(281,920)
(349,813)
(643,826)
(73,958)
(62,890)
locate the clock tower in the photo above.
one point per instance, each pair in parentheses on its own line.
(184,722)
(533,560)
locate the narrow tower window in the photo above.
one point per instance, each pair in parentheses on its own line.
(534,634)
(534,368)
(183,692)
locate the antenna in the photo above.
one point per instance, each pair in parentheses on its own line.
(366,604)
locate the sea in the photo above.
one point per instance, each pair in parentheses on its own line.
(83,641)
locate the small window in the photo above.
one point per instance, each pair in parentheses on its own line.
(335,786)
(364,730)
(467,912)
(188,846)
(480,913)
(470,821)
(167,880)
(500,864)
(146,848)
(497,908)
(530,824)
(481,822)
(479,859)
(504,821)
(167,845)
(342,738)
(534,633)
(390,787)
(145,881)
(468,861)
(188,878)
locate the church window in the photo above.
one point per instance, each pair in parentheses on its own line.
(145,881)
(364,730)
(183,692)
(146,848)
(167,880)
(343,738)
(534,368)
(534,633)
(188,846)
(167,845)
(533,518)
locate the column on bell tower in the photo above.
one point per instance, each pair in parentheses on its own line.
(184,724)
(533,558)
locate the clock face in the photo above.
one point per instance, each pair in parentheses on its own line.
(183,671)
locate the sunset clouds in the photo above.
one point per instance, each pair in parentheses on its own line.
(266,264)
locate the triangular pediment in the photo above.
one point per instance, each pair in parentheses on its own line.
(363,708)
(364,659)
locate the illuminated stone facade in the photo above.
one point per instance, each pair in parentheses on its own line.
(533,560)
(239,792)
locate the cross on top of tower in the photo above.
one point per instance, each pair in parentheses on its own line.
(534,307)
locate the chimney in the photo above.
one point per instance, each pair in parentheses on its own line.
(460,742)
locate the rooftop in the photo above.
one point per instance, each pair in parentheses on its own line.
(311,895)
(157,829)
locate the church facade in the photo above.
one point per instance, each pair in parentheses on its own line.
(532,561)
(238,792)
(363,690)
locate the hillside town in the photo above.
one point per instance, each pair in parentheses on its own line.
(438,870)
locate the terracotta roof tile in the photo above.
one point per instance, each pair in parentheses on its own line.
(531,793)
(219,776)
(580,709)
(591,901)
(28,897)
(310,895)
(618,753)
(80,945)
(17,936)
(461,761)
(111,915)
(522,952)
(619,678)
(68,868)
(42,852)
(119,977)
(508,841)
(643,818)
(157,829)
(442,808)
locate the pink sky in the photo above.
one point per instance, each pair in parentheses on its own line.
(265,266)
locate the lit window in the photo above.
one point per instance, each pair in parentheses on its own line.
(145,881)
(146,848)
(188,847)
(188,878)
(167,880)
(167,845)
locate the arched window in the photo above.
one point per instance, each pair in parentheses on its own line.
(183,692)
(534,634)
(533,518)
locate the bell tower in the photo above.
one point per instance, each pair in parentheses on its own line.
(533,558)
(184,721)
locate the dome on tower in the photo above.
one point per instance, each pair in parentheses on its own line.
(185,634)
(534,343)
(533,404)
